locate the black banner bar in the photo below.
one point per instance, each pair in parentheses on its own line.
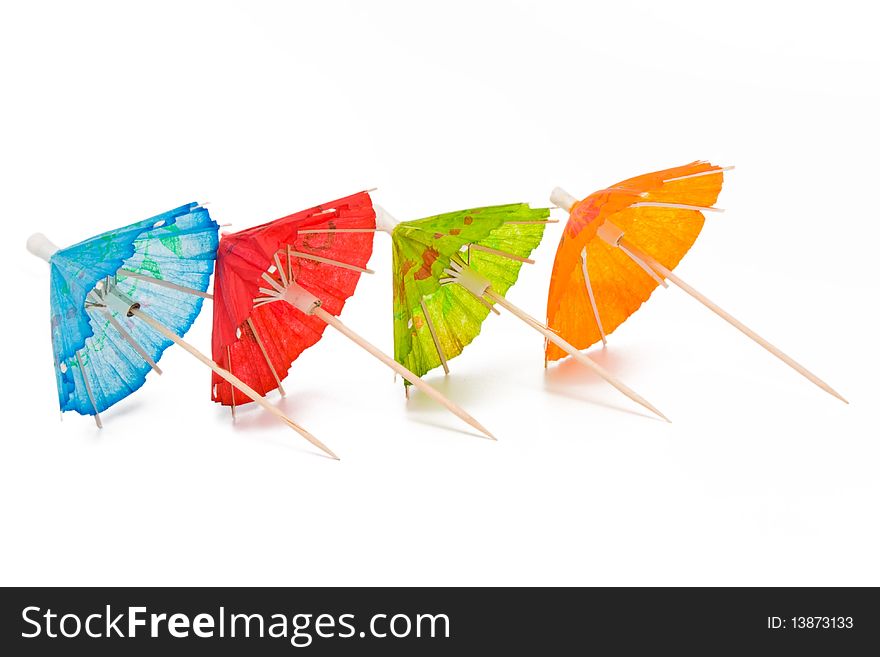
(390,621)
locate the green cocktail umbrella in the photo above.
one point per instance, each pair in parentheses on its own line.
(450,270)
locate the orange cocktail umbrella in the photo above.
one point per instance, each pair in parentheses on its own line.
(622,242)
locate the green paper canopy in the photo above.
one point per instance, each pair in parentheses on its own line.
(422,250)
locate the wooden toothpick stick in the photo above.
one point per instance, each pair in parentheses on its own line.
(400,369)
(309,304)
(231,387)
(131,341)
(266,356)
(434,336)
(82,370)
(591,297)
(730,319)
(230,378)
(572,351)
(483,301)
(643,265)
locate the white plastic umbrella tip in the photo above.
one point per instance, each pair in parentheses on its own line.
(41,246)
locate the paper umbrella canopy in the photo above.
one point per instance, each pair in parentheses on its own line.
(322,250)
(620,243)
(450,270)
(277,287)
(102,353)
(435,320)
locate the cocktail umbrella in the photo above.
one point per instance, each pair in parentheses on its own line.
(119,299)
(622,242)
(450,269)
(280,284)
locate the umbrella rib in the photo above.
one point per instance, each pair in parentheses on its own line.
(434,337)
(85,377)
(273,283)
(679,206)
(231,387)
(503,254)
(455,274)
(131,341)
(172,286)
(701,173)
(328,261)
(266,356)
(312,231)
(536,221)
(480,299)
(281,271)
(592,297)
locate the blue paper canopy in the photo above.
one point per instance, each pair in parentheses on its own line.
(101,354)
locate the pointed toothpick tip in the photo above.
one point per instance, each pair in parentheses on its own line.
(658,413)
(488,434)
(317,443)
(831,391)
(839,396)
(476,425)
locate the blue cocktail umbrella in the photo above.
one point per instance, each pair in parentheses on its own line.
(119,299)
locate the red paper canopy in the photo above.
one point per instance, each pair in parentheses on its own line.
(244,337)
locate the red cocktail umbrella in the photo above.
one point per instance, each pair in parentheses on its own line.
(311,261)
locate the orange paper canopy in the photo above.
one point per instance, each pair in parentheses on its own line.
(619,285)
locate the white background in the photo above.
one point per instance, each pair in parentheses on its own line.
(112,112)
